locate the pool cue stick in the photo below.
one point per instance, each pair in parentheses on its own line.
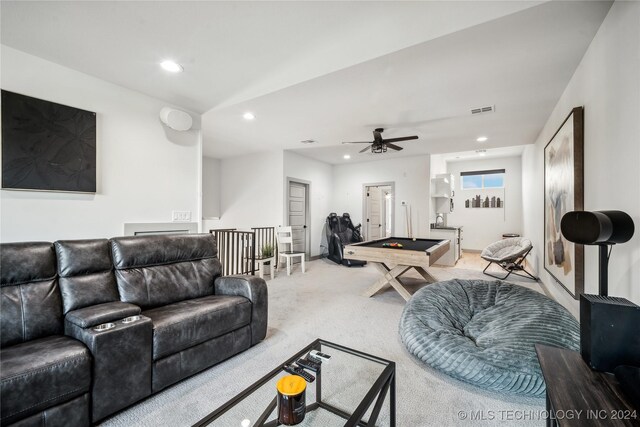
(407,220)
(410,222)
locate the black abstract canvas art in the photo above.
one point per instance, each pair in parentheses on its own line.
(47,146)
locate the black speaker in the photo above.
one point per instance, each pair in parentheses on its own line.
(609,332)
(597,228)
(602,228)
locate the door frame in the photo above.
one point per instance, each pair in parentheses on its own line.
(391,184)
(307,209)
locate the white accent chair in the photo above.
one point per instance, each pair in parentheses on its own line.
(508,254)
(284,236)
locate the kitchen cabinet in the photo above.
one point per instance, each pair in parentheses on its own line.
(442,192)
(454,234)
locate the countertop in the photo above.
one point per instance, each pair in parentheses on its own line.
(448,227)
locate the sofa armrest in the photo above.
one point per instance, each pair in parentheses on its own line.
(101,313)
(121,354)
(255,290)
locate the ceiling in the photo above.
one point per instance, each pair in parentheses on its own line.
(231,50)
(513,151)
(520,64)
(328,71)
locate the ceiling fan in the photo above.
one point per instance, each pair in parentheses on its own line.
(379,144)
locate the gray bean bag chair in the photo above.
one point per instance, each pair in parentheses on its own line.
(484,332)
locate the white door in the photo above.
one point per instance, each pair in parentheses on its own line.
(374,213)
(298,215)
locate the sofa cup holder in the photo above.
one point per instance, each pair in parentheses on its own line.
(104,327)
(130,319)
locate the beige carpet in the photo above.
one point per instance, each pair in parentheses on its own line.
(326,302)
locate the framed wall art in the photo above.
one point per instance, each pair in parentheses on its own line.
(47,146)
(564,192)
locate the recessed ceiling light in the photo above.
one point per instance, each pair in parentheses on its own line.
(171,66)
(481,152)
(248,116)
(346,157)
(482,139)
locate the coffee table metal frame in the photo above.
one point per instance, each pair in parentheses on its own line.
(386,383)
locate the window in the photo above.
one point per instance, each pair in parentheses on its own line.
(482,179)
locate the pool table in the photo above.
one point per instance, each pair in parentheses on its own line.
(392,263)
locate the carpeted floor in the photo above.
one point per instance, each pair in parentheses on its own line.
(326,302)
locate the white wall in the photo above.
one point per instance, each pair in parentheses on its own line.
(144,170)
(253,191)
(485,226)
(211,173)
(607,84)
(320,177)
(411,177)
(438,164)
(250,191)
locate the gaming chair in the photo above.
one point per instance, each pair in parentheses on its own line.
(342,232)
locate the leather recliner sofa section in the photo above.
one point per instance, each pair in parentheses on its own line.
(121,356)
(199,318)
(44,374)
(170,314)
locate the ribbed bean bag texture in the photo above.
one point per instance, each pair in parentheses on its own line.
(484,332)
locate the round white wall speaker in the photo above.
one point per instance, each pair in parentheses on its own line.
(176,119)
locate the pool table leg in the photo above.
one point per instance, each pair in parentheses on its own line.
(389,276)
(424,273)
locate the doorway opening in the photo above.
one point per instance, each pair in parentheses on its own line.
(297,215)
(379,210)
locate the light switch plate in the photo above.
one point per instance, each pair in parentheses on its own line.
(181,216)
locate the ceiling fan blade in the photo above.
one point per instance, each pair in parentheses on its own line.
(393,146)
(403,138)
(358,142)
(365,149)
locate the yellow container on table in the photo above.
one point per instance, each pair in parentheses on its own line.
(291,399)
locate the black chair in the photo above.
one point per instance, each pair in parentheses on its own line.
(342,232)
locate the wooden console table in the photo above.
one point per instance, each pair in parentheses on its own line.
(580,396)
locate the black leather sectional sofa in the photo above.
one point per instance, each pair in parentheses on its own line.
(89,327)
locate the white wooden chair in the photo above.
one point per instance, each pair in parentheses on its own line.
(284,236)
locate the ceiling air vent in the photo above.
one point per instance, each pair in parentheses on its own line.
(308,141)
(481,110)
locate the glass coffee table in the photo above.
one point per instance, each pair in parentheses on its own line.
(349,390)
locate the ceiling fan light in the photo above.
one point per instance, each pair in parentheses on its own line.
(378,148)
